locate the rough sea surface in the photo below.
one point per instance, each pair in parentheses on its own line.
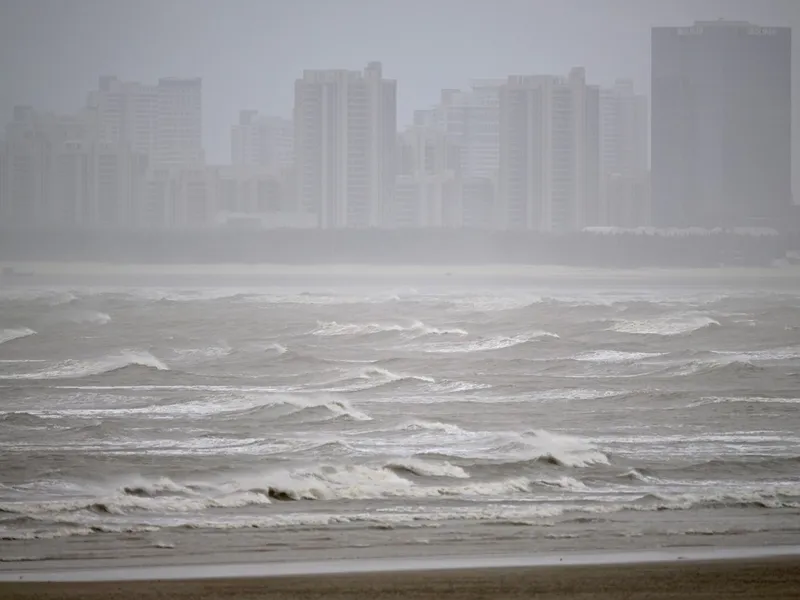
(171,422)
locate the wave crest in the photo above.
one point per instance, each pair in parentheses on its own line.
(493,343)
(9,335)
(420,425)
(424,468)
(339,407)
(555,449)
(777,497)
(418,328)
(23,419)
(719,367)
(614,356)
(371,378)
(76,369)
(666,326)
(89,317)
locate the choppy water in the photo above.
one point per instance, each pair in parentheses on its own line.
(136,420)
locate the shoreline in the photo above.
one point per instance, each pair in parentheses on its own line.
(755,578)
(38,269)
(78,571)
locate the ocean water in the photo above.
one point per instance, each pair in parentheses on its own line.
(321,418)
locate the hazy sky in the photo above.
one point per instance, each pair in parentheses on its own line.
(249,52)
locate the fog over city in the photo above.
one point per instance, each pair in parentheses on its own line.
(315,286)
(250,52)
(388,132)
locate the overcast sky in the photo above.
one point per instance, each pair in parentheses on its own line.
(249,52)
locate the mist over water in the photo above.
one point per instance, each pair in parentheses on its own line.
(396,417)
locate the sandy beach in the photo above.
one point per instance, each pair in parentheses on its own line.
(773,578)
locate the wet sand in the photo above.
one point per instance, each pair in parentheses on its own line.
(753,579)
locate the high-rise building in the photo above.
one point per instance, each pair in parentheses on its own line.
(163,121)
(428,187)
(345,141)
(196,201)
(262,141)
(471,119)
(180,122)
(98,185)
(624,156)
(478,202)
(549,153)
(159,206)
(59,174)
(624,130)
(627,200)
(721,124)
(127,112)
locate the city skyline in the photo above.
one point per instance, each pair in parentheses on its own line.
(610,38)
(133,158)
(537,150)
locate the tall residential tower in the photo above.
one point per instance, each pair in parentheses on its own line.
(345,141)
(549,153)
(624,156)
(721,124)
(262,141)
(162,121)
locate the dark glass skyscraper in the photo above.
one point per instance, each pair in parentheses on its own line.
(721,125)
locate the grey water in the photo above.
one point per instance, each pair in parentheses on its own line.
(325,418)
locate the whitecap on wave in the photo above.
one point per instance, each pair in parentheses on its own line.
(421,425)
(743,400)
(278,349)
(666,326)
(236,405)
(207,352)
(397,478)
(369,378)
(9,335)
(614,356)
(492,343)
(74,369)
(554,448)
(424,468)
(415,328)
(88,317)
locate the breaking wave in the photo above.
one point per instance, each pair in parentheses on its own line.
(511,451)
(209,352)
(188,503)
(278,349)
(398,478)
(23,419)
(370,378)
(338,407)
(420,425)
(730,367)
(614,356)
(553,448)
(417,327)
(89,317)
(75,369)
(415,466)
(775,497)
(666,326)
(639,475)
(493,343)
(9,335)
